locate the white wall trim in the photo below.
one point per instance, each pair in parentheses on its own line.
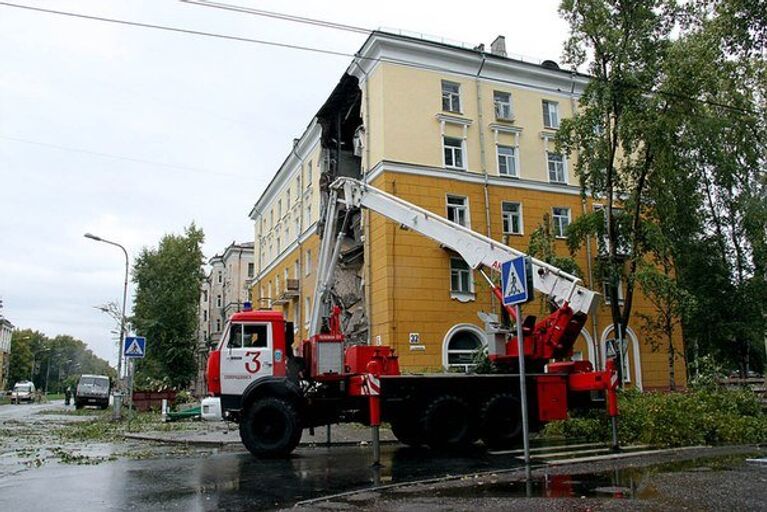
(284,253)
(468,176)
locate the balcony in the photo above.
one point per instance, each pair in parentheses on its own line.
(289,293)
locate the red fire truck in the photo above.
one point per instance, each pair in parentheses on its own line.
(275,391)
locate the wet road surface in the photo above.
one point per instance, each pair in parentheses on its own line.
(24,410)
(228,481)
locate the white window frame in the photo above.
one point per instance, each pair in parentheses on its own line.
(559,230)
(251,269)
(307,310)
(461,295)
(459,210)
(308,262)
(453,149)
(562,162)
(548,107)
(446,351)
(607,295)
(510,159)
(511,215)
(504,110)
(309,174)
(453,98)
(308,214)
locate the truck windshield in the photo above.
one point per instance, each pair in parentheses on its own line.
(22,388)
(248,335)
(95,382)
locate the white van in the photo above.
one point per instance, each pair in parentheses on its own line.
(23,392)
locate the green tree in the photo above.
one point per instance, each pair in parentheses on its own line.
(168,281)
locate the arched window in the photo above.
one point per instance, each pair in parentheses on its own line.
(461,349)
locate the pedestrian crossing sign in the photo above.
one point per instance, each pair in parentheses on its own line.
(134,347)
(516,281)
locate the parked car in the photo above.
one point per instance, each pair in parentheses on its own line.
(23,392)
(92,390)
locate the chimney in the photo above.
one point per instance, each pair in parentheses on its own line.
(498,46)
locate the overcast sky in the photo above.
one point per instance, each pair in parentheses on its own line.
(196,128)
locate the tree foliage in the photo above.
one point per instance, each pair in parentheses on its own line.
(168,281)
(671,139)
(57,362)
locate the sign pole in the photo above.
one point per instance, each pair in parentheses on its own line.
(523,390)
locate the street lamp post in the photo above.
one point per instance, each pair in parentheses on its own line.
(125,298)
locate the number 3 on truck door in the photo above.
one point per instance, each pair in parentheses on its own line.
(254,364)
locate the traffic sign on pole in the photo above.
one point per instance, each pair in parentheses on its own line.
(517,281)
(134,347)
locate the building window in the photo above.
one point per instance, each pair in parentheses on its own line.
(556,164)
(512,218)
(606,287)
(308,215)
(453,148)
(307,309)
(219,276)
(502,101)
(309,174)
(561,219)
(507,161)
(550,114)
(458,210)
(251,269)
(287,234)
(298,224)
(460,277)
(451,96)
(278,245)
(462,350)
(218,325)
(271,218)
(219,302)
(296,270)
(276,286)
(308,263)
(204,315)
(205,295)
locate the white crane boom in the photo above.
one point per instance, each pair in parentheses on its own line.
(477,250)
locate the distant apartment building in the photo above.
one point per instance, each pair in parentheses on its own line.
(224,290)
(465,133)
(6,332)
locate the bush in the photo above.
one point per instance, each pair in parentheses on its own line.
(699,416)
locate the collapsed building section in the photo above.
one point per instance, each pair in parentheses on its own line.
(342,140)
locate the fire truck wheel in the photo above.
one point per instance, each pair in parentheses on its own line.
(270,427)
(407,431)
(501,421)
(446,423)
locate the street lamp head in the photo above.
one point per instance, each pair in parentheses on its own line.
(92,237)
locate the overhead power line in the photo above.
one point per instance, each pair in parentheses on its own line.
(332,52)
(280,16)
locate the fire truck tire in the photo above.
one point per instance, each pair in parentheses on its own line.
(407,431)
(446,423)
(501,421)
(270,427)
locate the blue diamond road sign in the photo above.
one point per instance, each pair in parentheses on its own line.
(517,281)
(134,347)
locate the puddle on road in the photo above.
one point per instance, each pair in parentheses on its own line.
(626,483)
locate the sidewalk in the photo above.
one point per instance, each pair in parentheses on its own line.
(219,435)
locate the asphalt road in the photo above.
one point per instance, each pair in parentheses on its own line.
(225,480)
(24,410)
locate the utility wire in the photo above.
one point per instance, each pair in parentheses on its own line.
(280,16)
(121,157)
(334,52)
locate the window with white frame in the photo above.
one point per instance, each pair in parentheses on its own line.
(507,161)
(279,208)
(251,269)
(296,271)
(309,174)
(550,114)
(462,350)
(458,210)
(502,101)
(287,198)
(451,96)
(606,287)
(512,217)
(453,148)
(271,218)
(307,309)
(560,217)
(220,276)
(298,224)
(308,262)
(556,165)
(278,245)
(308,215)
(460,277)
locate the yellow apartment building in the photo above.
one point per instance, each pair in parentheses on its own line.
(465,133)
